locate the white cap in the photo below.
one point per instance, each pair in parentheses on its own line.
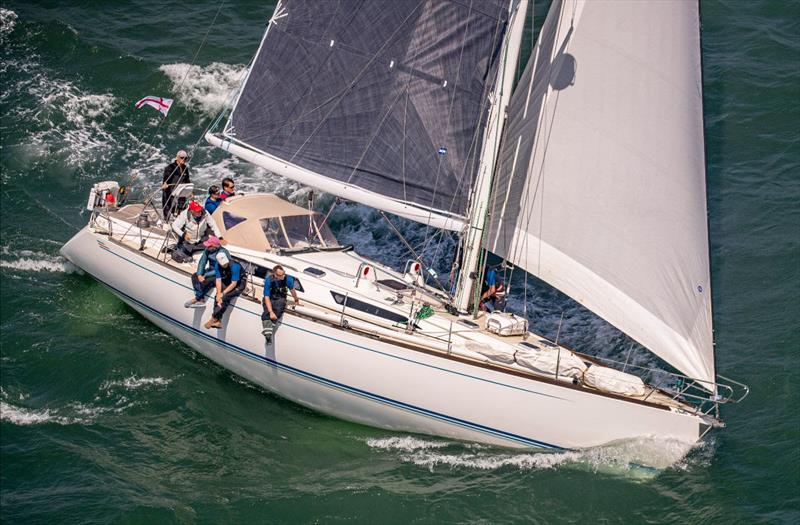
(181,153)
(222,259)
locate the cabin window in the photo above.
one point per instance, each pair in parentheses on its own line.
(298,285)
(274,233)
(230,220)
(371,309)
(394,284)
(324,231)
(301,231)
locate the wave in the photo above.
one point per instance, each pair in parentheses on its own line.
(206,88)
(133,383)
(66,121)
(640,458)
(8,20)
(24,416)
(76,413)
(36,262)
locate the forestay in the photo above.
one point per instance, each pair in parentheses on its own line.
(601,185)
(387,96)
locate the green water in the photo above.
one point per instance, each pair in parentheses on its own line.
(107,419)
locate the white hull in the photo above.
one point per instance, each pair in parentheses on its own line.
(358,378)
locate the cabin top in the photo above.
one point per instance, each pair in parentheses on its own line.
(264,222)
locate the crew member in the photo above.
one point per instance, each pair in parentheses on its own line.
(230,282)
(490,291)
(174,174)
(205,277)
(276,288)
(191,228)
(228,188)
(214,199)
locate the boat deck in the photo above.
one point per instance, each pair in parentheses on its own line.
(151,243)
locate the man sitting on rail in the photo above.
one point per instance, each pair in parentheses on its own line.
(229,275)
(205,277)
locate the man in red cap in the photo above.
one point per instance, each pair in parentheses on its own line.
(191,228)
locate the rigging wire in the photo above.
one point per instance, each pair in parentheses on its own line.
(154,135)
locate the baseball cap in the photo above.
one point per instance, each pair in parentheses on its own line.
(222,259)
(182,153)
(194,206)
(211,241)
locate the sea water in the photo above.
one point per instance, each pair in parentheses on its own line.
(104,418)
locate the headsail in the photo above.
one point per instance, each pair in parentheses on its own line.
(387,96)
(601,185)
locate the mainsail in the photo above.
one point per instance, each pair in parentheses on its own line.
(379,101)
(600,189)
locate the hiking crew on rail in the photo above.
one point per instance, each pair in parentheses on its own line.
(276,287)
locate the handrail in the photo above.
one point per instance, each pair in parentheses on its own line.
(688,388)
(361,273)
(700,395)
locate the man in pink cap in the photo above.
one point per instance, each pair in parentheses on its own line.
(203,280)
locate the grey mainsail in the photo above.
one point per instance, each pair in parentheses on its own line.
(390,96)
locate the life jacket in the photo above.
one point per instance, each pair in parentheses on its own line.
(226,273)
(278,289)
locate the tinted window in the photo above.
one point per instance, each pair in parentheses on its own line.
(230,220)
(368,308)
(325,232)
(273,232)
(300,231)
(394,284)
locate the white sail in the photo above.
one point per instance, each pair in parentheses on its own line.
(601,187)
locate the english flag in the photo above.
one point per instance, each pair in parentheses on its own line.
(161,104)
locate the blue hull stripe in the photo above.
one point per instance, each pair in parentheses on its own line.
(329,382)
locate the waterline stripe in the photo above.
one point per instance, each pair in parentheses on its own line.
(346,342)
(341,386)
(322,380)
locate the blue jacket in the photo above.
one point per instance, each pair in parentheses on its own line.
(208,262)
(211,205)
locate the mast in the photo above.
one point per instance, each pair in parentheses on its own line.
(482,188)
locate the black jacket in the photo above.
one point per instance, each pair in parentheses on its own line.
(174,175)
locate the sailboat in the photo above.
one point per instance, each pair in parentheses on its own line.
(588,172)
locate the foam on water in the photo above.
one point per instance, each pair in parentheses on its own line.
(23,416)
(69,122)
(249,178)
(206,88)
(26,260)
(133,383)
(110,399)
(640,458)
(8,19)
